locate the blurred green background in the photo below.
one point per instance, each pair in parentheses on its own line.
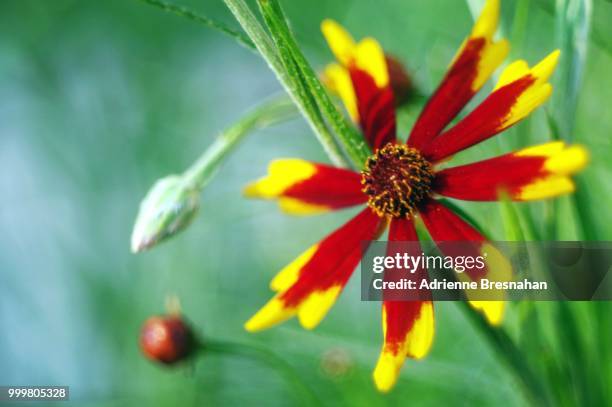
(100,99)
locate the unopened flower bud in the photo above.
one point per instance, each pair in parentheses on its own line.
(167,339)
(400,81)
(166,210)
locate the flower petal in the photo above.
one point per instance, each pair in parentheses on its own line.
(376,109)
(310,285)
(475,62)
(303,187)
(408,326)
(519,91)
(338,79)
(362,80)
(445,226)
(340,41)
(532,173)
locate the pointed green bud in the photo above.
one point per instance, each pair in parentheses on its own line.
(170,205)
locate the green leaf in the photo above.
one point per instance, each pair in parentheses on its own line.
(209,22)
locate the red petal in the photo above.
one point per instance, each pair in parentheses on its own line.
(452,95)
(376,107)
(478,57)
(408,326)
(484,122)
(304,187)
(335,259)
(518,92)
(310,285)
(532,173)
(445,226)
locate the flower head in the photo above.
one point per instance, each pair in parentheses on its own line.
(401,181)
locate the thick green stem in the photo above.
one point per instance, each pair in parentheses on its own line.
(269,113)
(306,395)
(352,141)
(292,84)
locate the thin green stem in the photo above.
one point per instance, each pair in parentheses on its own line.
(513,357)
(307,395)
(171,203)
(510,218)
(208,22)
(292,85)
(519,27)
(269,113)
(572,28)
(352,141)
(581,201)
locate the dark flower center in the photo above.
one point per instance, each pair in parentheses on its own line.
(396,178)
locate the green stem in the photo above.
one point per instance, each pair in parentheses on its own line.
(352,141)
(307,395)
(274,111)
(504,345)
(581,201)
(500,339)
(292,85)
(510,217)
(572,26)
(519,27)
(209,22)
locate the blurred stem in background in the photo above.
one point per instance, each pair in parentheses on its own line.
(572,28)
(172,202)
(512,356)
(306,395)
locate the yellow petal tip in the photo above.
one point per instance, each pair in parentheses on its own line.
(273,313)
(492,310)
(386,373)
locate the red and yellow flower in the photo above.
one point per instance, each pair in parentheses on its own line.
(400,181)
